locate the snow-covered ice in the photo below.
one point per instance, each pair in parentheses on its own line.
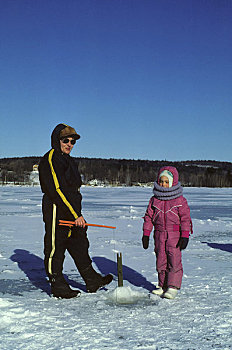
(125,295)
(127,317)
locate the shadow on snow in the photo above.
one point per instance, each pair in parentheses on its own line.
(108,266)
(226,247)
(33,267)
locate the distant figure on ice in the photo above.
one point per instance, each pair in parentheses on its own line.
(60,182)
(169,213)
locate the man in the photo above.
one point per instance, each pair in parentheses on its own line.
(60,182)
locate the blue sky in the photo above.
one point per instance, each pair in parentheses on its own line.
(138,79)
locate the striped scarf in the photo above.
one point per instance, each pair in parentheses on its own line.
(165,194)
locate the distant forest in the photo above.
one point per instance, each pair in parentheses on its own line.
(200,173)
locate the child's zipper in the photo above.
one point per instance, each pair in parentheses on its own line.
(164,215)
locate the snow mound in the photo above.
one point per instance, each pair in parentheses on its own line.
(125,295)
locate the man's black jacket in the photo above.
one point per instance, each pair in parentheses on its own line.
(60,181)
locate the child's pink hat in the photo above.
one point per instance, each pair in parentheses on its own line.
(171,173)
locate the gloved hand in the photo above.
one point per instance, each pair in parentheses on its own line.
(182,243)
(145,241)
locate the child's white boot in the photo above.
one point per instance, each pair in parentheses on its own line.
(158,291)
(171,293)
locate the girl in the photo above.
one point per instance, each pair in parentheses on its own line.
(169,213)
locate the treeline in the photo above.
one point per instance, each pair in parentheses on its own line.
(133,172)
(127,172)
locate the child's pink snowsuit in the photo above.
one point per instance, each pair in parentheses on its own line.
(171,220)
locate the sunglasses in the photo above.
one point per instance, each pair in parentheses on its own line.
(67,141)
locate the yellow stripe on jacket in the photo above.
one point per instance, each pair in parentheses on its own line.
(57,186)
(53,239)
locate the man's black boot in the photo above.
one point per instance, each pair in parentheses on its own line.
(94,280)
(61,289)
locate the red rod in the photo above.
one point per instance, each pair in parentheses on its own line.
(71,223)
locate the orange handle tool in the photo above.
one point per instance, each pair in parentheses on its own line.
(71,223)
